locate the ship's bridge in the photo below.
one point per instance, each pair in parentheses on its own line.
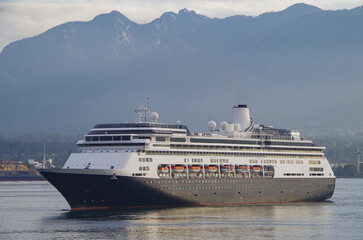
(137,128)
(130,135)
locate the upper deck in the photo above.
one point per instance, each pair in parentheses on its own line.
(236,134)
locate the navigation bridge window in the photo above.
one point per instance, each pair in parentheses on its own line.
(107,138)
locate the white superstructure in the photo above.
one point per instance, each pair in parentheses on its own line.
(238,149)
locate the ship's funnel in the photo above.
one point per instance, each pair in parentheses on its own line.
(241,116)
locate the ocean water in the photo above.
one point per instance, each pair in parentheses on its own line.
(35,210)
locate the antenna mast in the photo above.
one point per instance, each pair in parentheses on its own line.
(358,152)
(358,162)
(44,160)
(142,111)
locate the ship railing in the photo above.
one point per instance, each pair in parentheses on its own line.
(255,136)
(211,147)
(273,137)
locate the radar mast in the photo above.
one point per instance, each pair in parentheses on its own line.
(142,111)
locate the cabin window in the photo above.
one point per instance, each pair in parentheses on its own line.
(314,162)
(177,139)
(106,138)
(144,168)
(160,139)
(126,138)
(316,174)
(316,169)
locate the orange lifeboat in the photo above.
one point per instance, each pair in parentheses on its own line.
(163,169)
(194,169)
(177,169)
(241,168)
(227,169)
(211,169)
(255,168)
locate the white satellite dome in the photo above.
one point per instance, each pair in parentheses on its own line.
(223,125)
(212,125)
(154,116)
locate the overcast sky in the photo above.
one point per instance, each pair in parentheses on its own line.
(26,18)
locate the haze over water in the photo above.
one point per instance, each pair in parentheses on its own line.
(33,210)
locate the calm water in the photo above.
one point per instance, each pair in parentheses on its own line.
(34,210)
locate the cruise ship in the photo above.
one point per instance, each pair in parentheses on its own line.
(147,164)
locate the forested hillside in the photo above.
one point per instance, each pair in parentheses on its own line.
(23,148)
(341,148)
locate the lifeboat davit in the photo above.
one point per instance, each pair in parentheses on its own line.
(211,169)
(227,169)
(177,169)
(163,169)
(241,168)
(255,169)
(194,169)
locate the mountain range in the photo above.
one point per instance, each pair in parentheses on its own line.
(299,68)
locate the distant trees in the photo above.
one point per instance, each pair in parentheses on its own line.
(341,148)
(345,170)
(58,147)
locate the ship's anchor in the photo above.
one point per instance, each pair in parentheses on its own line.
(114,177)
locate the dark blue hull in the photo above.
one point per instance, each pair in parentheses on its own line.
(93,190)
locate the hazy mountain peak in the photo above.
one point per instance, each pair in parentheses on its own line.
(302,8)
(177,23)
(181,13)
(113,16)
(357,10)
(186,11)
(169,16)
(293,12)
(191,17)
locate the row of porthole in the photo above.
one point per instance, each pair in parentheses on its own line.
(106,151)
(228,187)
(243,187)
(92,201)
(233,154)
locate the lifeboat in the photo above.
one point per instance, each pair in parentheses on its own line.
(255,169)
(163,169)
(227,169)
(177,169)
(194,169)
(211,169)
(241,168)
